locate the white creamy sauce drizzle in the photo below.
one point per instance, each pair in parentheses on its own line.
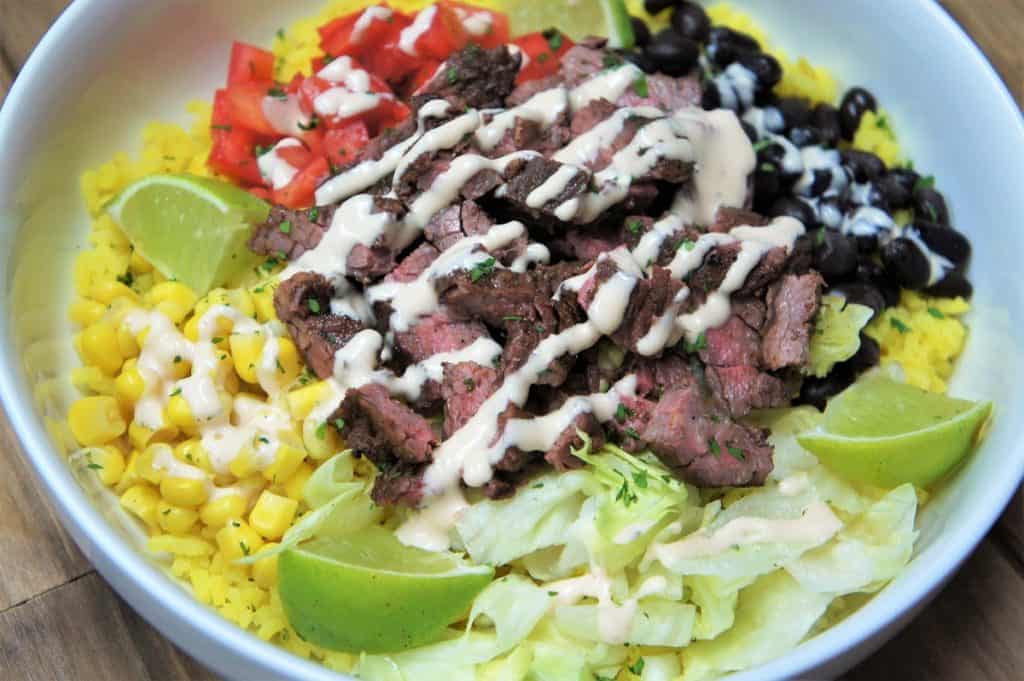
(585,148)
(410,34)
(817,524)
(277,171)
(609,84)
(442,137)
(430,528)
(938,265)
(377,12)
(552,187)
(352,93)
(285,114)
(475,23)
(544,108)
(614,621)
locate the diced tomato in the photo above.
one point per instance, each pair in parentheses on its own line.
(261,193)
(249,63)
(232,152)
(245,104)
(544,51)
(387,112)
(345,35)
(300,191)
(444,35)
(496,23)
(423,75)
(341,144)
(296,156)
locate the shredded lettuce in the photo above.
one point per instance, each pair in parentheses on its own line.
(836,335)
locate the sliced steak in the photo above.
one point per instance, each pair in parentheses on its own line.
(455,223)
(524,177)
(290,232)
(710,275)
(665,93)
(732,344)
(303,303)
(793,304)
(742,389)
(727,218)
(466,386)
(436,333)
(398,485)
(367,264)
(473,78)
(413,265)
(560,454)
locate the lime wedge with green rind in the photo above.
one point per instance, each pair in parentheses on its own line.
(367,592)
(577,18)
(884,433)
(193,229)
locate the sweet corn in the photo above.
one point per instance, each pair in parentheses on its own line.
(140,264)
(107,292)
(145,464)
(129,384)
(245,351)
(175,519)
(237,298)
(244,463)
(92,379)
(238,540)
(96,420)
(141,436)
(301,401)
(288,362)
(179,414)
(297,483)
(127,346)
(287,460)
(142,501)
(272,515)
(130,476)
(173,299)
(264,571)
(190,547)
(193,453)
(190,492)
(263,300)
(319,438)
(99,347)
(85,312)
(107,462)
(218,512)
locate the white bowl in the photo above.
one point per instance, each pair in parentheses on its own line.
(108,66)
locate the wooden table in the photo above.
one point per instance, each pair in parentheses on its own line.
(59,619)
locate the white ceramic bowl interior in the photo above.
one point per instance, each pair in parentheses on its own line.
(109,66)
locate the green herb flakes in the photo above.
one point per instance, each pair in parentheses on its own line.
(482,269)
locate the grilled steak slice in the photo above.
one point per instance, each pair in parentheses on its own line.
(793,303)
(303,303)
(473,78)
(455,223)
(727,218)
(413,265)
(369,263)
(524,177)
(466,385)
(399,485)
(436,333)
(732,344)
(744,388)
(291,232)
(560,454)
(710,275)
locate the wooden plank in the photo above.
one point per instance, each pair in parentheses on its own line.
(971,631)
(82,630)
(23,23)
(996,26)
(35,553)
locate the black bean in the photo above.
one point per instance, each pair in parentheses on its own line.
(830,211)
(674,54)
(709,98)
(764,67)
(822,181)
(855,102)
(929,205)
(641,60)
(795,111)
(906,264)
(864,165)
(817,391)
(952,285)
(804,136)
(725,45)
(653,7)
(835,256)
(862,294)
(867,244)
(870,272)
(944,240)
(767,184)
(691,21)
(897,187)
(868,355)
(825,118)
(794,208)
(641,33)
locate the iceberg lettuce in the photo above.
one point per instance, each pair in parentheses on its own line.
(836,336)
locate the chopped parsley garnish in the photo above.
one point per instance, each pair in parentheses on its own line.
(622,412)
(481,270)
(280,368)
(538,486)
(716,451)
(452,76)
(612,61)
(127,278)
(314,305)
(632,433)
(285,227)
(540,328)
(245,547)
(819,237)
(637,667)
(314,121)
(512,317)
(226,128)
(261,149)
(686,244)
(264,439)
(216,339)
(258,289)
(936,312)
(469,383)
(339,424)
(882,122)
(767,167)
(277,93)
(177,359)
(313,213)
(762,144)
(94,466)
(640,86)
(625,494)
(640,479)
(175,392)
(699,344)
(736,453)
(898,325)
(321,431)
(543,57)
(555,39)
(635,226)
(925,182)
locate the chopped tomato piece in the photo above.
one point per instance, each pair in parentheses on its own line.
(386,112)
(444,35)
(261,193)
(245,104)
(423,75)
(542,53)
(483,27)
(356,33)
(300,191)
(341,144)
(249,63)
(296,157)
(232,153)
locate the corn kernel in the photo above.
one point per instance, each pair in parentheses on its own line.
(92,379)
(301,401)
(297,483)
(179,414)
(245,351)
(108,462)
(99,347)
(244,463)
(127,345)
(263,300)
(142,500)
(175,519)
(96,420)
(236,298)
(85,312)
(141,436)
(272,515)
(107,292)
(129,384)
(193,453)
(130,476)
(264,571)
(190,547)
(145,464)
(286,461)
(288,360)
(173,299)
(188,492)
(191,329)
(218,512)
(319,439)
(140,264)
(238,540)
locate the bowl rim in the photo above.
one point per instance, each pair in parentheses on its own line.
(181,617)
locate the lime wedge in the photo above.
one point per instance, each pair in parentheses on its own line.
(885,433)
(577,18)
(193,229)
(367,592)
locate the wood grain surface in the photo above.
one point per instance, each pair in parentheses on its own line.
(59,619)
